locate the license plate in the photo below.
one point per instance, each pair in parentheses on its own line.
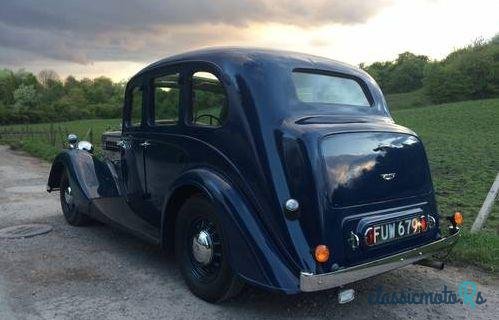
(390,231)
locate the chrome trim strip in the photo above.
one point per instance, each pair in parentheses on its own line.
(314,282)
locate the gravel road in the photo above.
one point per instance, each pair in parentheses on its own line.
(97,272)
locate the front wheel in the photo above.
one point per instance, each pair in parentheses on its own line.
(68,203)
(201,251)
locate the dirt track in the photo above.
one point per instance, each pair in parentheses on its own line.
(97,272)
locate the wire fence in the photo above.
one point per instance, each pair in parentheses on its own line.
(54,135)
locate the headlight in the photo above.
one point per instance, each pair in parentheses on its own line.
(86,146)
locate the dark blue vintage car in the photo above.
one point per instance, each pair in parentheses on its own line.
(276,169)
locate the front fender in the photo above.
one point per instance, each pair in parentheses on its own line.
(88,177)
(252,253)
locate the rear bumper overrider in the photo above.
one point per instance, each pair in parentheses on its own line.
(315,282)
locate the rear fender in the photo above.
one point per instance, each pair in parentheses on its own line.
(252,254)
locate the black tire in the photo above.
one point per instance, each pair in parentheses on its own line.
(69,208)
(212,281)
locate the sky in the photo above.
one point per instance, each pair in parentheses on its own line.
(116,38)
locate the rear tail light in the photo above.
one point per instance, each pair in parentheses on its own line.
(369,236)
(458,218)
(321,253)
(423,222)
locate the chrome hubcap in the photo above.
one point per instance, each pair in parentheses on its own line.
(68,196)
(202,247)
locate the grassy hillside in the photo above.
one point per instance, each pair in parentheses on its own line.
(407,100)
(462,142)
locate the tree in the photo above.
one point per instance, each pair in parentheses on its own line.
(46,76)
(380,71)
(101,90)
(52,91)
(407,72)
(402,75)
(71,83)
(76,97)
(468,73)
(27,78)
(4,114)
(25,96)
(7,87)
(495,39)
(443,84)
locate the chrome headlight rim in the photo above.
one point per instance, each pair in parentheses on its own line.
(85,146)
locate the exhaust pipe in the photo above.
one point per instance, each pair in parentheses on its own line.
(439,265)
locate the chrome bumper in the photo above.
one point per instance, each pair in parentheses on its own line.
(315,282)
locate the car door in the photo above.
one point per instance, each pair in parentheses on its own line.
(132,213)
(187,103)
(164,155)
(132,157)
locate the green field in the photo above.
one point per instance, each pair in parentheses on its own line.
(407,100)
(462,142)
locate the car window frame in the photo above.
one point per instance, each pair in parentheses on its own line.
(150,106)
(359,81)
(208,68)
(127,125)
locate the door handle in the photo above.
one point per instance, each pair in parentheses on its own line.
(145,144)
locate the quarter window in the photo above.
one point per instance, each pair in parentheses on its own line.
(209,100)
(136,106)
(166,99)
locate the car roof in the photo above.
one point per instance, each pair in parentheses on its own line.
(238,56)
(258,64)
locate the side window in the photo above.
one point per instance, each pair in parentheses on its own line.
(166,99)
(136,104)
(209,100)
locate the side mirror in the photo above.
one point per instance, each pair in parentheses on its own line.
(72,140)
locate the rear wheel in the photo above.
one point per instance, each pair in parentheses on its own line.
(68,204)
(201,251)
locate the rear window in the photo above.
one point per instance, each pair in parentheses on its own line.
(329,89)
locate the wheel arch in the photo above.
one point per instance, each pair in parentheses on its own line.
(75,163)
(252,253)
(177,198)
(55,175)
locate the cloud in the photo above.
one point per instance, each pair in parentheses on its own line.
(82,31)
(52,45)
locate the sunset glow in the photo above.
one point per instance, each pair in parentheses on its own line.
(430,27)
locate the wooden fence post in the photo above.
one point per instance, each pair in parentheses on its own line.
(52,134)
(87,135)
(484,212)
(61,136)
(91,136)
